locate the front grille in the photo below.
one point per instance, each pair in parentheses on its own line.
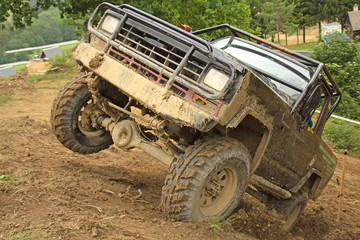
(161,52)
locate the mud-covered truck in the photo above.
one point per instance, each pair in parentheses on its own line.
(228,116)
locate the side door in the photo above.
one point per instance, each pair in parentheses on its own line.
(312,116)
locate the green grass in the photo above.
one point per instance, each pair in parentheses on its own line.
(19,236)
(5,99)
(7,178)
(303,47)
(344,134)
(28,235)
(68,48)
(218,224)
(20,67)
(35,78)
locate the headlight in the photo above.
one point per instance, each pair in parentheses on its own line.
(109,24)
(216,79)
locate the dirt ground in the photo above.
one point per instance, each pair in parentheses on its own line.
(49,192)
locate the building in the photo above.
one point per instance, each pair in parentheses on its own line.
(51,52)
(327,28)
(6,72)
(352,22)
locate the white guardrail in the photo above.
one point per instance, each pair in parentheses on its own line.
(12,64)
(342,118)
(44,46)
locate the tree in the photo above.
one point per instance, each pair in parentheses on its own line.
(256,22)
(322,10)
(20,11)
(277,17)
(48,28)
(197,13)
(302,17)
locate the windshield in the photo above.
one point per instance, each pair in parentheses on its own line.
(289,78)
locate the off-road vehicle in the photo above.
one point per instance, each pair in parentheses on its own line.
(228,116)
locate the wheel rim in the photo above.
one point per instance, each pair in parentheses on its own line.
(218,191)
(84,121)
(291,218)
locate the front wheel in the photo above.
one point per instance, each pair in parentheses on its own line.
(207,182)
(71,119)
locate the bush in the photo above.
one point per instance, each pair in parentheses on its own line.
(61,61)
(342,58)
(338,49)
(345,135)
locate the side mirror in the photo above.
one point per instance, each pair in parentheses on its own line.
(312,102)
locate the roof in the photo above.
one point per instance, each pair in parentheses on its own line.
(354,17)
(331,24)
(51,52)
(5,72)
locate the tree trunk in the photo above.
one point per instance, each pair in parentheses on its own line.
(319,25)
(278,30)
(277,23)
(297,35)
(304,34)
(286,43)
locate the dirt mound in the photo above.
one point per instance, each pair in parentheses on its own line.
(14,83)
(47,191)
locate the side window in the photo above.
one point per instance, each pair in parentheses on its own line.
(320,106)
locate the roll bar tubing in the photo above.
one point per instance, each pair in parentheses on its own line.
(304,59)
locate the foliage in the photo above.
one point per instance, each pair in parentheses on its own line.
(277,17)
(6,178)
(197,14)
(61,61)
(218,224)
(339,49)
(346,135)
(341,56)
(206,13)
(21,11)
(347,77)
(45,30)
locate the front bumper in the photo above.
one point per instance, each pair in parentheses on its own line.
(133,84)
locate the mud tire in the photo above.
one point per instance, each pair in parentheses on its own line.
(291,210)
(65,124)
(183,197)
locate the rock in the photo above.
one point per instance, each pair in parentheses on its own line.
(94,232)
(242,214)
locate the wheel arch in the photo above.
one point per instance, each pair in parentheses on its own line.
(309,183)
(252,130)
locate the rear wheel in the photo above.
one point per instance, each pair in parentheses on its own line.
(72,117)
(292,209)
(207,182)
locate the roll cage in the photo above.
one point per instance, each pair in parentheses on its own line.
(312,63)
